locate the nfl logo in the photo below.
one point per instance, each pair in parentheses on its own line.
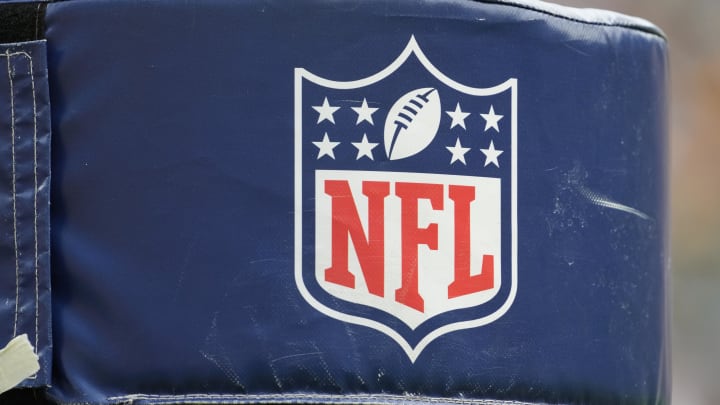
(406,200)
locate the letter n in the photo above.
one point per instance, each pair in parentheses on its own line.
(346,226)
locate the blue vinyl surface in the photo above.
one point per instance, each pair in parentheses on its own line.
(175,197)
(24,202)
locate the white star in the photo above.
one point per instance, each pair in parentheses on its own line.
(458,152)
(325,147)
(326,111)
(364,113)
(491,155)
(364,148)
(458,117)
(491,119)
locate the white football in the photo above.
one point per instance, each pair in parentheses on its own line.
(412,123)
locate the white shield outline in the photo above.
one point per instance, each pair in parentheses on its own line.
(412,48)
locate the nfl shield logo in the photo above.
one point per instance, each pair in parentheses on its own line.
(406,200)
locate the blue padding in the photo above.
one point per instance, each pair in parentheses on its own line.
(189,147)
(24,201)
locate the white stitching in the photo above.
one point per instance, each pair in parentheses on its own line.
(35,203)
(12,134)
(291,398)
(35,195)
